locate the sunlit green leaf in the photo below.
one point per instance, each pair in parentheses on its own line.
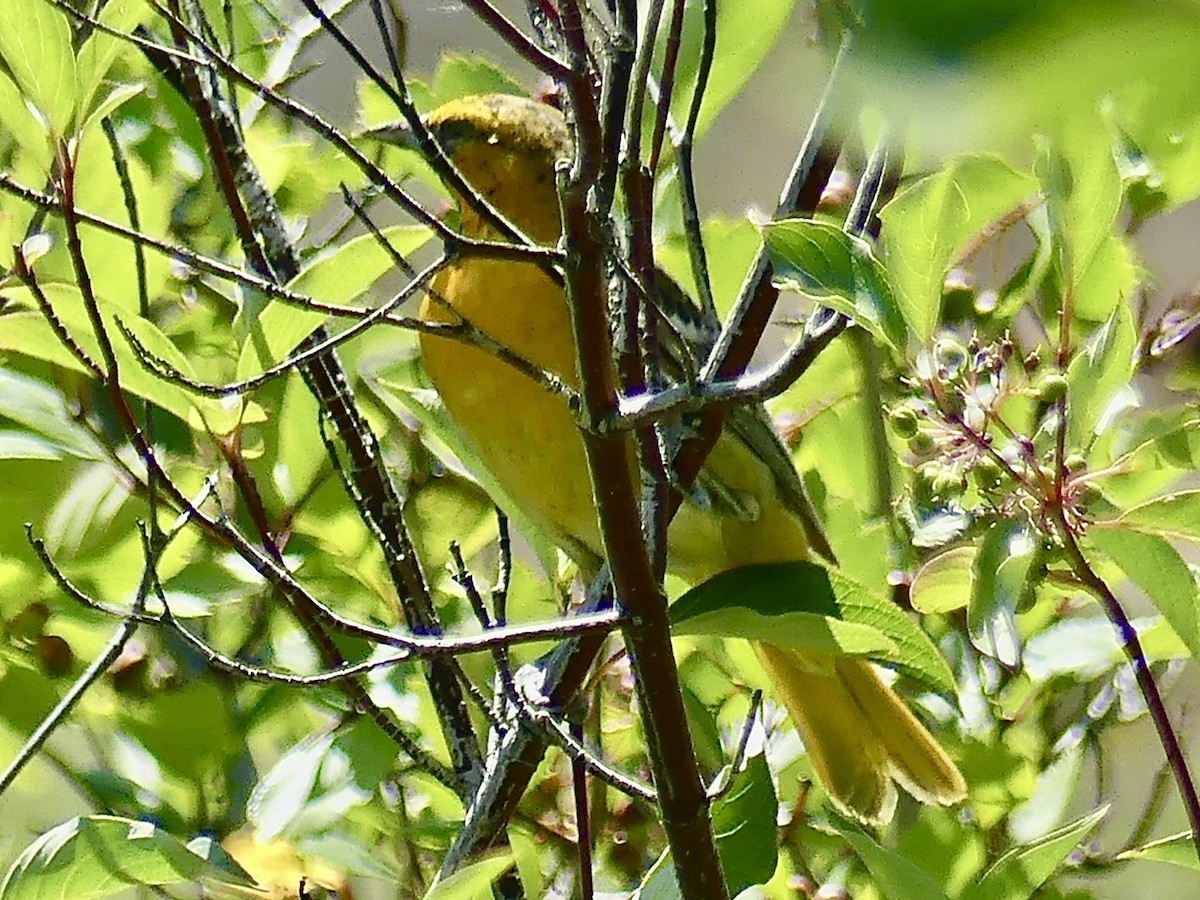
(339,277)
(743,823)
(98,856)
(29,333)
(730,243)
(1082,647)
(1178,849)
(822,261)
(456,76)
(746,32)
(102,49)
(282,792)
(1022,870)
(35,43)
(930,223)
(1044,809)
(1111,277)
(998,578)
(1156,567)
(43,410)
(1097,375)
(943,584)
(29,134)
(111,101)
(1083,194)
(898,878)
(473,881)
(1173,515)
(807,606)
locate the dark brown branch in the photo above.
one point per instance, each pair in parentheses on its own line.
(1132,646)
(683,801)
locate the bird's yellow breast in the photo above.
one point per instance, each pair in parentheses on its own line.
(526,435)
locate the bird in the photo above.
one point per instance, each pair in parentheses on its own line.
(861,737)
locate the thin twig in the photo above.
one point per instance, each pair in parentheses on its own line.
(583,831)
(1132,646)
(684,804)
(86,679)
(724,780)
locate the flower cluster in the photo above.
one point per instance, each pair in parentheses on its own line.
(968,456)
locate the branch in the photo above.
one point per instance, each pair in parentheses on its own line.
(683,801)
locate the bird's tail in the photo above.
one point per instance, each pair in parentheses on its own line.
(861,737)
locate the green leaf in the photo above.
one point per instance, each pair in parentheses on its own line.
(732,245)
(1098,374)
(1082,186)
(1082,647)
(35,43)
(112,100)
(471,882)
(28,133)
(321,779)
(188,730)
(746,32)
(744,827)
(349,854)
(98,856)
(22,445)
(896,877)
(101,50)
(1020,871)
(273,331)
(1044,809)
(1164,144)
(929,224)
(1156,567)
(282,793)
(43,410)
(706,734)
(743,823)
(998,579)
(1178,849)
(527,850)
(823,262)
(1172,515)
(1109,280)
(994,72)
(943,583)
(804,605)
(28,333)
(456,76)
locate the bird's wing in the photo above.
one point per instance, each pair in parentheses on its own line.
(685,337)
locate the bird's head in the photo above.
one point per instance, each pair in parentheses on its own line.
(507,148)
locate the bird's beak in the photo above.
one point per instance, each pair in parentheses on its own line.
(397,133)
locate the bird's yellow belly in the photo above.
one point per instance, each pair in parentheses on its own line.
(529,441)
(525,435)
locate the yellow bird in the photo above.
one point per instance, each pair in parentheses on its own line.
(859,734)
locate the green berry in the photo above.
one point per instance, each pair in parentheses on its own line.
(904,422)
(951,358)
(1052,388)
(988,474)
(921,443)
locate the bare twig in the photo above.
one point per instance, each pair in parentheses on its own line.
(86,679)
(1132,646)
(683,802)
